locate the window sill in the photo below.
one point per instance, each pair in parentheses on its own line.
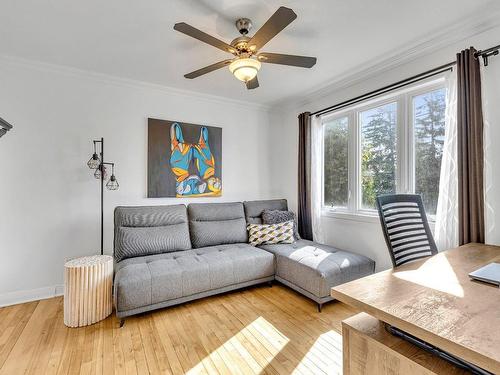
(360,217)
(365,218)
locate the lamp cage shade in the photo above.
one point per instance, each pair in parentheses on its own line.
(112,183)
(94,162)
(99,170)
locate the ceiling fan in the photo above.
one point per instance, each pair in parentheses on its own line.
(247,59)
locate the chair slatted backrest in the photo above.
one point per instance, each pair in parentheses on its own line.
(405,227)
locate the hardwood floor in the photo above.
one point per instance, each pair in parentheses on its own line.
(261,330)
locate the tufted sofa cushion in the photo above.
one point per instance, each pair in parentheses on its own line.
(217,224)
(144,281)
(316,268)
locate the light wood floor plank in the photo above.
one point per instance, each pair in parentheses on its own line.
(234,331)
(218,342)
(14,319)
(250,354)
(192,318)
(138,347)
(172,358)
(321,336)
(118,355)
(31,339)
(280,342)
(260,354)
(225,335)
(272,341)
(260,330)
(294,323)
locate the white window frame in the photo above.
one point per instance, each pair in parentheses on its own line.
(405,170)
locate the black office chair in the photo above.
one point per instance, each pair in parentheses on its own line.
(405,227)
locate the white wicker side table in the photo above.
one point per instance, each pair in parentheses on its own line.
(88,290)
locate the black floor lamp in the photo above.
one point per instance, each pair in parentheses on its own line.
(98,164)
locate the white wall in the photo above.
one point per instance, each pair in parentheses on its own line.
(49,200)
(366,237)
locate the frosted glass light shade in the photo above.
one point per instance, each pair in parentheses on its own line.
(245,69)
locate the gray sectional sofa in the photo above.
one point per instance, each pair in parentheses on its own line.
(166,255)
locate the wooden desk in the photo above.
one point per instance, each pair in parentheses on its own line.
(435,300)
(369,349)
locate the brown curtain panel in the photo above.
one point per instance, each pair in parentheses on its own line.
(470,149)
(304,188)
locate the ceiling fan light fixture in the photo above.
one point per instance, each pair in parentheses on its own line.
(245,69)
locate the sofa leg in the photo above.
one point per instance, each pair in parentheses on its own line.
(270,284)
(319,307)
(122,322)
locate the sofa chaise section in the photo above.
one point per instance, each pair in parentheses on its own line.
(313,269)
(308,267)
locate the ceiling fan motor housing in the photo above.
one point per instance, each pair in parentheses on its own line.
(241,44)
(243,25)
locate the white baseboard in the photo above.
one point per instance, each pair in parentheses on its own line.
(21,296)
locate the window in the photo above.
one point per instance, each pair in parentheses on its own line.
(378,153)
(428,129)
(390,145)
(335,139)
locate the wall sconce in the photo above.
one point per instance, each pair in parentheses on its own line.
(4,127)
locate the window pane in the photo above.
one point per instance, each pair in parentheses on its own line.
(378,153)
(428,123)
(335,162)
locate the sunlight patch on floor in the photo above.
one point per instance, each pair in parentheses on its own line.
(259,339)
(325,355)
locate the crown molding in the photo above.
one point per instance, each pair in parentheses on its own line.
(124,82)
(432,42)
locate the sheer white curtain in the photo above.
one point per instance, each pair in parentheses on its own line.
(490,76)
(446,231)
(316,177)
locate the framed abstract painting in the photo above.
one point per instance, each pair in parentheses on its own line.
(184,160)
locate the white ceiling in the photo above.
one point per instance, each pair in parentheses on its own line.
(135,39)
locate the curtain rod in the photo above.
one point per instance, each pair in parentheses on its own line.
(388,88)
(493,51)
(405,82)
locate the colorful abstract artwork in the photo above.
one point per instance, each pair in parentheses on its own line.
(184,160)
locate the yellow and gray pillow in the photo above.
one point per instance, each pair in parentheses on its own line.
(264,234)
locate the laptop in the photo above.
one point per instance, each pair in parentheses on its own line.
(488,274)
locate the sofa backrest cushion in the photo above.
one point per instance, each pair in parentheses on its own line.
(141,231)
(213,224)
(254,209)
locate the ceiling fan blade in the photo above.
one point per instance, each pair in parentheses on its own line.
(278,58)
(278,21)
(204,37)
(253,83)
(208,69)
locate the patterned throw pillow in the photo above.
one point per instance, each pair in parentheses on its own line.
(261,234)
(278,216)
